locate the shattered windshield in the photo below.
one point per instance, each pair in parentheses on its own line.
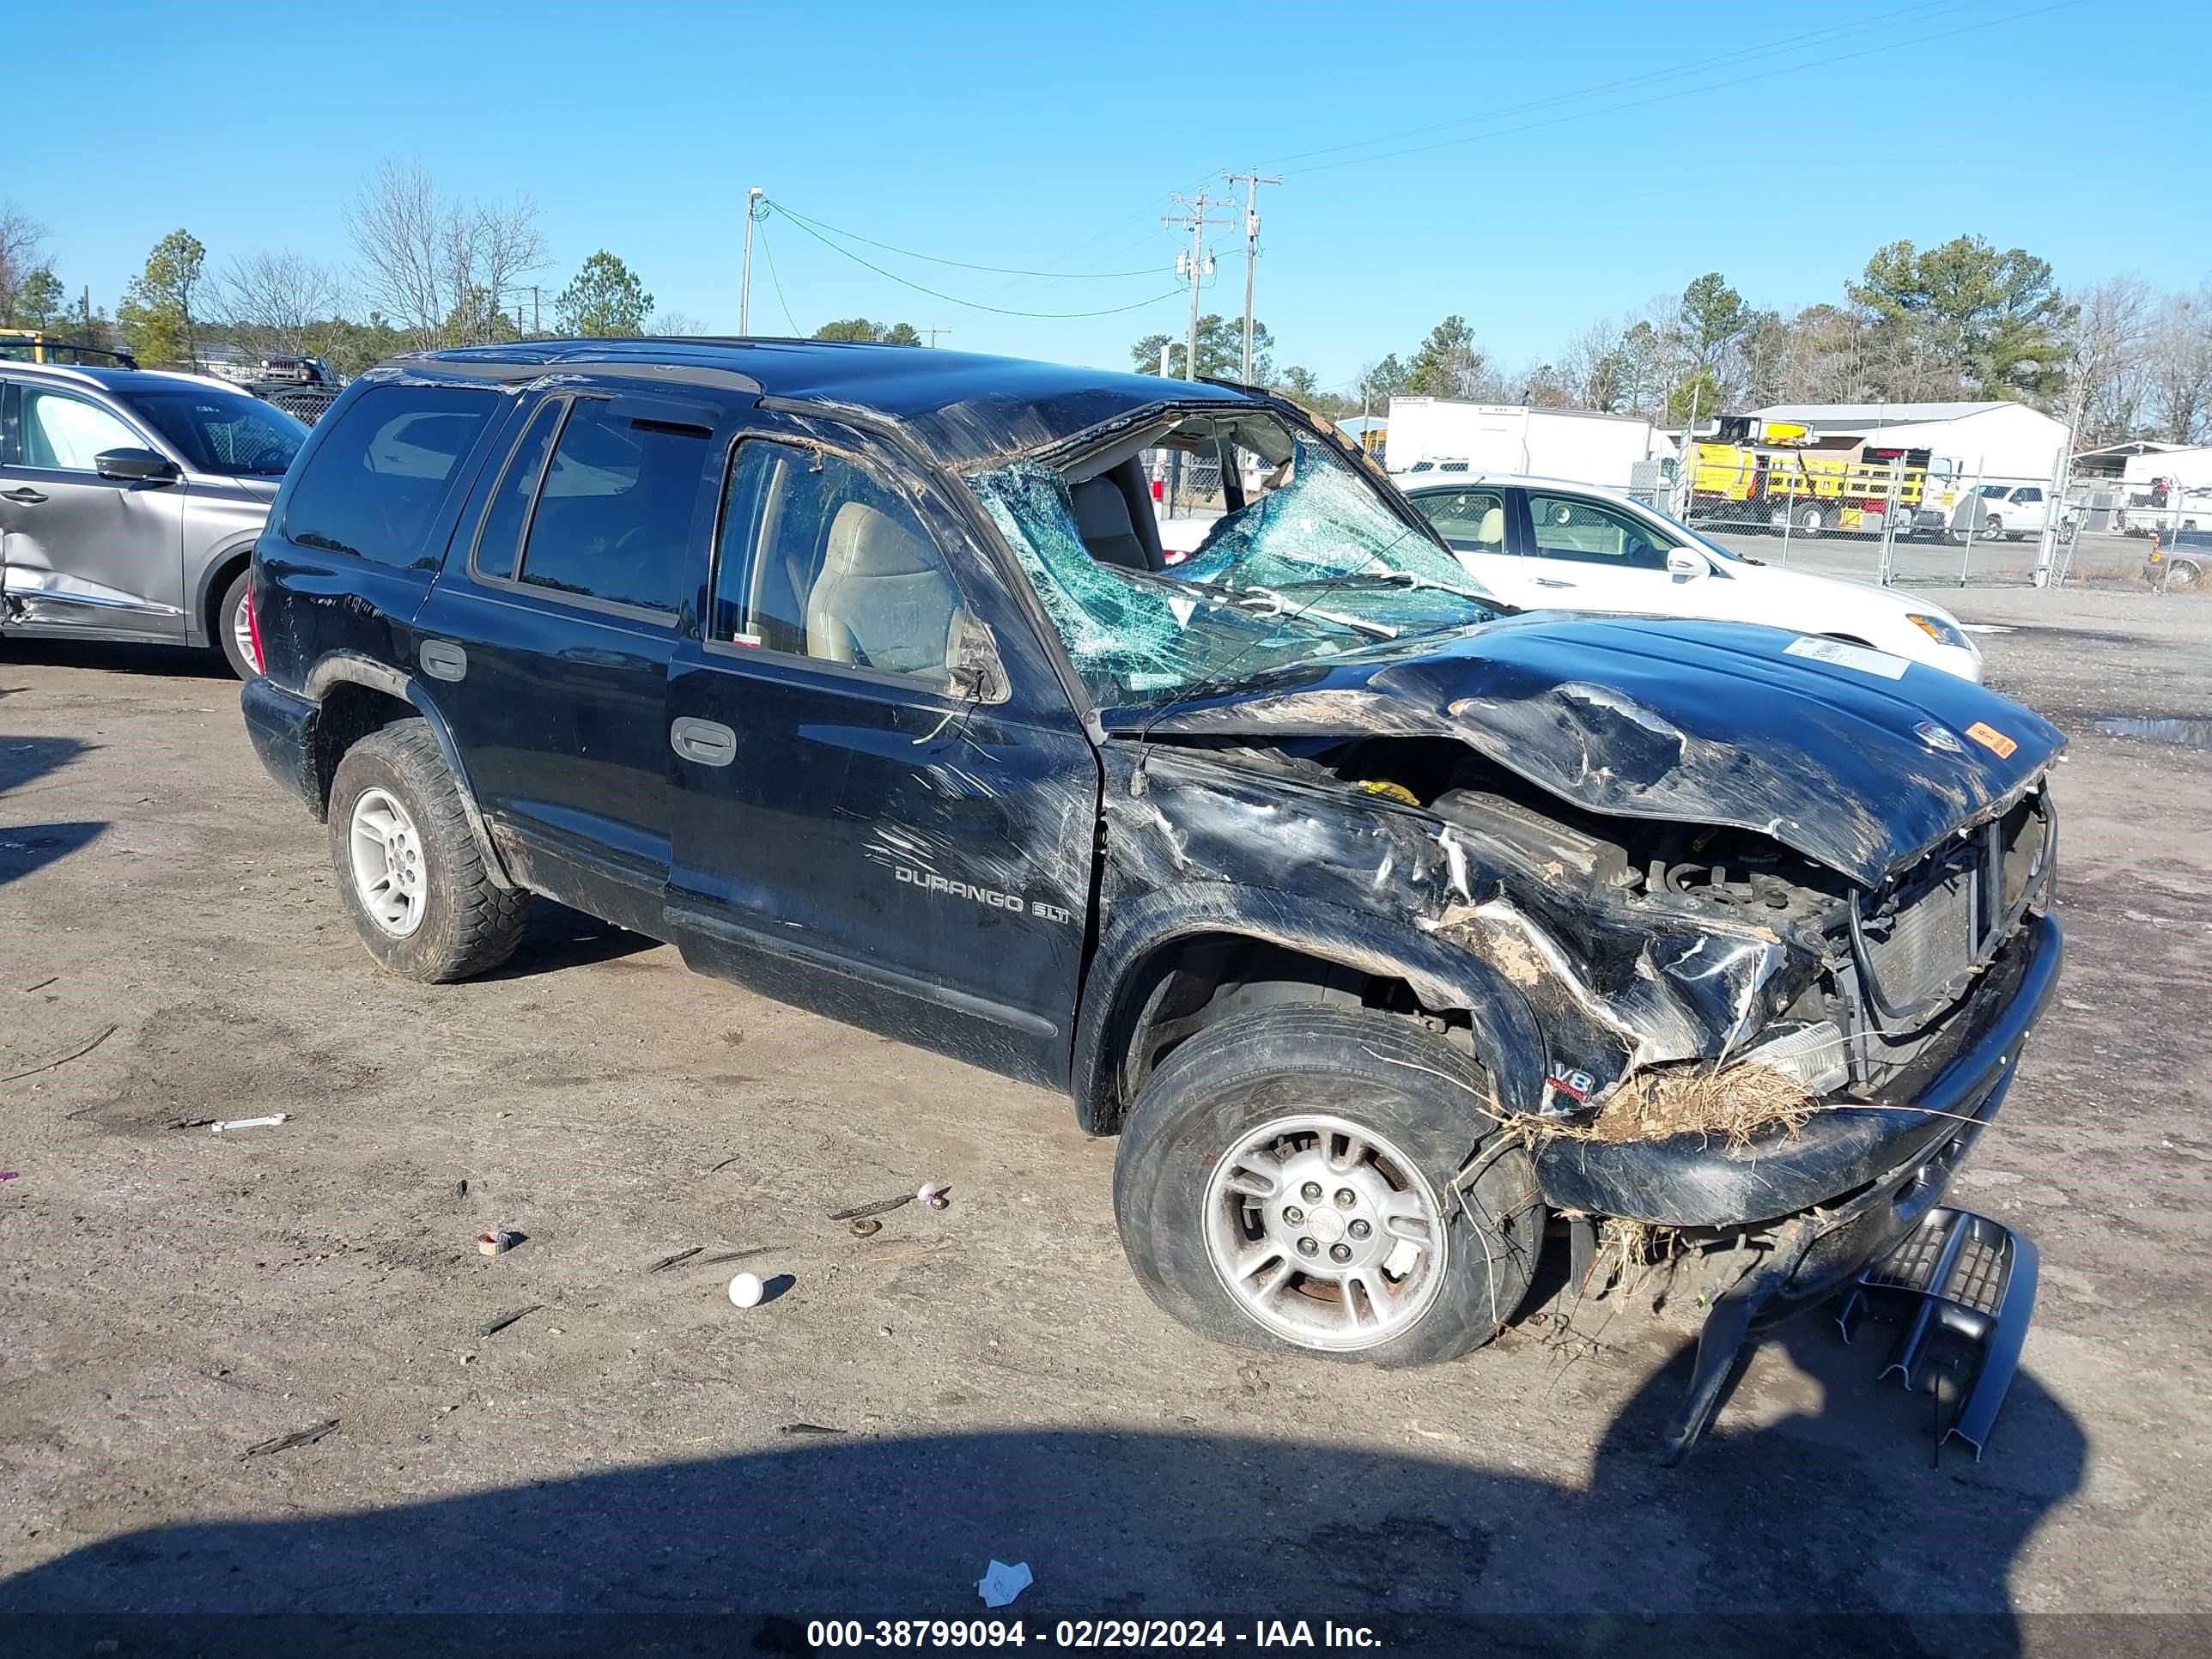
(1204,548)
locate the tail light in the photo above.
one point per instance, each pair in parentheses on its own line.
(253,632)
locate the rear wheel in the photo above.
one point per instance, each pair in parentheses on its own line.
(2183,573)
(413,876)
(1992,528)
(1288,1181)
(234,627)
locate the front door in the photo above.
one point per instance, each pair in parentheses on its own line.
(1473,522)
(1585,555)
(546,642)
(852,834)
(80,552)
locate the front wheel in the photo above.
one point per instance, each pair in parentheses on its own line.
(1288,1181)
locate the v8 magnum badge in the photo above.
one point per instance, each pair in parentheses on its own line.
(1936,737)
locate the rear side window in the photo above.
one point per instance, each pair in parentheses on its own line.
(613,518)
(376,480)
(501,538)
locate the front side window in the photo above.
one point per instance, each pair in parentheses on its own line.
(378,477)
(225,433)
(1470,521)
(613,517)
(1572,527)
(64,433)
(820,559)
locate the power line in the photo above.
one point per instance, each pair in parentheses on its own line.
(954,298)
(791,213)
(773,277)
(1744,54)
(1687,92)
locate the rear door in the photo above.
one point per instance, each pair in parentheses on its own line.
(547,640)
(852,833)
(1474,522)
(82,551)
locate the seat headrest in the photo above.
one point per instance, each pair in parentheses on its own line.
(1492,531)
(1101,510)
(863,542)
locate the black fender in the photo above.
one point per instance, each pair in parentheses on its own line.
(1444,976)
(348,666)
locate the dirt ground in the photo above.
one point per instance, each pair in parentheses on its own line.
(172,948)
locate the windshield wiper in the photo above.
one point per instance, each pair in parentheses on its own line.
(1277,605)
(1398,579)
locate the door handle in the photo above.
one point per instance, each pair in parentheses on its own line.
(26,496)
(704,741)
(1548,581)
(443,660)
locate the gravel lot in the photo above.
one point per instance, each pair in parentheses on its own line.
(172,948)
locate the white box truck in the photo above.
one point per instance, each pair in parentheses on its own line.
(1433,436)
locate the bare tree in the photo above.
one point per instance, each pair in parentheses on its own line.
(275,300)
(397,236)
(440,271)
(22,252)
(2179,352)
(2106,362)
(676,322)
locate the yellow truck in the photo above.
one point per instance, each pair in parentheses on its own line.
(1774,473)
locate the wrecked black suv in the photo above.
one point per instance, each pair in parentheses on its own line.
(1396,934)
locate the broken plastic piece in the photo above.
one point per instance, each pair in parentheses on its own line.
(494,1326)
(1001,1583)
(932,1197)
(250,1122)
(1968,1275)
(497,1242)
(668,1261)
(881,1206)
(747,1290)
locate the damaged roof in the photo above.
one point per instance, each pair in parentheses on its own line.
(963,406)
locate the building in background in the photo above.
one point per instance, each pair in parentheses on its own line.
(1994,439)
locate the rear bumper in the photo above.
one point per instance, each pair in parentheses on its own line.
(283,727)
(1868,1173)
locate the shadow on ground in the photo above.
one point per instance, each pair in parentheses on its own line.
(1832,1531)
(168,661)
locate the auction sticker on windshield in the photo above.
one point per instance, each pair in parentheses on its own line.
(1846,655)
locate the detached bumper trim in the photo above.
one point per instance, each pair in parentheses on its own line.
(1690,1181)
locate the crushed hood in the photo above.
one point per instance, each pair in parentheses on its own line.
(1694,722)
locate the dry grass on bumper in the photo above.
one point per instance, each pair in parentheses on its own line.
(1734,1104)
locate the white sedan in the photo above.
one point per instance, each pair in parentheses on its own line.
(1543,545)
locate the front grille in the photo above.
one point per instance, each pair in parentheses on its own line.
(1929,940)
(1914,946)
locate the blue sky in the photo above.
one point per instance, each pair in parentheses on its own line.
(1583,175)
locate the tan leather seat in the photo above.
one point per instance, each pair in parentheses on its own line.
(882,599)
(1491,533)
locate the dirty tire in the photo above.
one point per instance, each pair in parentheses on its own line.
(226,628)
(469,924)
(1379,1072)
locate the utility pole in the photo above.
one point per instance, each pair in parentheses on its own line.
(1193,264)
(934,330)
(536,321)
(745,277)
(1251,181)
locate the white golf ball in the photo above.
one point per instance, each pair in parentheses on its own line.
(747,1290)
